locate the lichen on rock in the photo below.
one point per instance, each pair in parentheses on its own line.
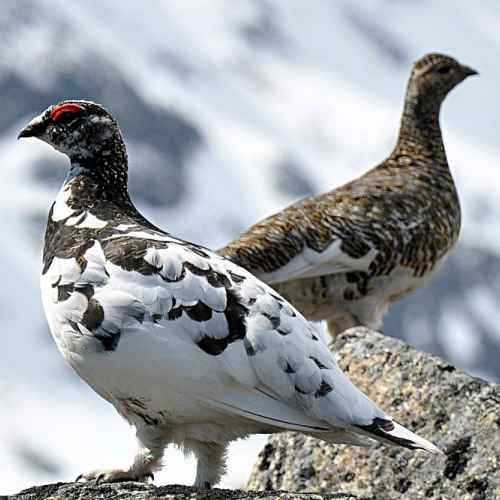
(141,491)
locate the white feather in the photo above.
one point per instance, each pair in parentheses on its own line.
(310,263)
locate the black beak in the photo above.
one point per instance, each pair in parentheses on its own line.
(469,71)
(32,130)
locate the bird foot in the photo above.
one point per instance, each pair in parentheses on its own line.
(115,476)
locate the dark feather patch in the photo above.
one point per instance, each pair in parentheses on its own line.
(199,312)
(82,262)
(237,278)
(177,278)
(76,244)
(195,270)
(93,315)
(74,326)
(213,346)
(214,278)
(318,363)
(147,419)
(174,313)
(217,280)
(199,251)
(87,290)
(381,427)
(236,314)
(385,425)
(323,390)
(83,215)
(137,402)
(249,347)
(109,340)
(283,332)
(64,292)
(129,254)
(275,320)
(300,391)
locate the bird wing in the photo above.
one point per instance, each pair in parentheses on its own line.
(317,236)
(345,230)
(249,352)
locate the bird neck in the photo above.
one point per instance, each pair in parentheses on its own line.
(420,130)
(102,176)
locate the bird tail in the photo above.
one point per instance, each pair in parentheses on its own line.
(390,432)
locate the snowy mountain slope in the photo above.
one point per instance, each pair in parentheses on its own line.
(231,111)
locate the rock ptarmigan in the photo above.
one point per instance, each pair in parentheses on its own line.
(188,347)
(346,255)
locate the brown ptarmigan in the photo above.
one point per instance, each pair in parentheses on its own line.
(188,347)
(346,255)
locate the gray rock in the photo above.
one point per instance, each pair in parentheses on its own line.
(140,491)
(460,413)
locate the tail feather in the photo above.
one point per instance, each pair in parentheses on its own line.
(391,432)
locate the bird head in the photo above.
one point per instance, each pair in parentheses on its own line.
(434,75)
(79,129)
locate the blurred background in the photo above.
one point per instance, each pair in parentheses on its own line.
(231,110)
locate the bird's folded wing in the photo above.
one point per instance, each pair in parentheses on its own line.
(338,232)
(311,263)
(256,405)
(323,235)
(232,339)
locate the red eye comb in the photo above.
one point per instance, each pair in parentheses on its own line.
(68,107)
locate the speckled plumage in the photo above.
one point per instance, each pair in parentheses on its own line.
(188,347)
(345,255)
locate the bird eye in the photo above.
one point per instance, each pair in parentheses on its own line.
(67,117)
(444,70)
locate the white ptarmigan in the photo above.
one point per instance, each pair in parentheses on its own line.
(344,256)
(188,347)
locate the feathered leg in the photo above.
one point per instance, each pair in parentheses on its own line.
(211,462)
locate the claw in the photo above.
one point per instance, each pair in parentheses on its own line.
(114,476)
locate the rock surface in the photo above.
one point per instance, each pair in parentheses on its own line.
(140,491)
(460,413)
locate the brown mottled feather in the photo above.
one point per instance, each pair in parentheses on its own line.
(405,211)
